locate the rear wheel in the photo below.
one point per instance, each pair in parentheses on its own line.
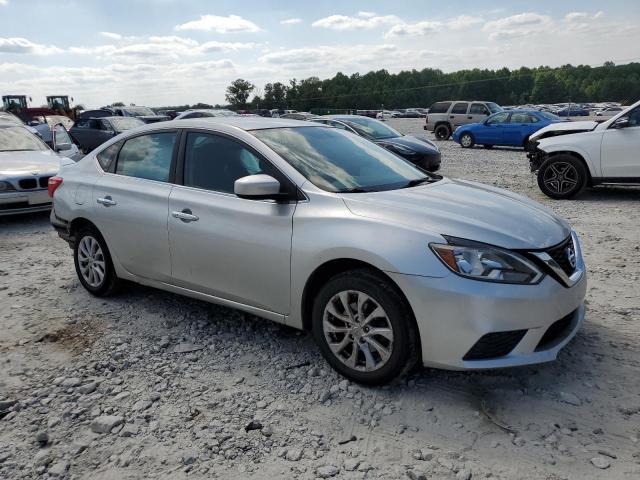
(364,328)
(93,263)
(562,176)
(442,131)
(467,140)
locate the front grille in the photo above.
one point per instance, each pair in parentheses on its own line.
(495,345)
(28,183)
(13,206)
(559,254)
(557,331)
(44,182)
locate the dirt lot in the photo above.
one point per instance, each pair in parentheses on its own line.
(152,385)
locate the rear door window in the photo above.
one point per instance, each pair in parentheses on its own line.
(440,107)
(460,108)
(520,118)
(147,156)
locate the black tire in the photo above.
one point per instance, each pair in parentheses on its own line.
(488,147)
(442,131)
(404,346)
(110,283)
(562,176)
(467,140)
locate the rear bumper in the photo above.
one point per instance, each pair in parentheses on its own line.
(16,202)
(61,226)
(454,314)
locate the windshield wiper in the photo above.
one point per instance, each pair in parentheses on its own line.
(419,181)
(354,190)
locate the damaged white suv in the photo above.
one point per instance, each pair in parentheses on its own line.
(572,156)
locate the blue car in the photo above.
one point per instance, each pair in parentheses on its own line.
(510,128)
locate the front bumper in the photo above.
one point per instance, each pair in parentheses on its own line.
(21,201)
(454,313)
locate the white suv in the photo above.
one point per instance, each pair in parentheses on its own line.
(572,156)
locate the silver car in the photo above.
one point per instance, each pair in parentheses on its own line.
(26,165)
(322,230)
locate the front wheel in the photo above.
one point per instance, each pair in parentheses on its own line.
(562,177)
(364,328)
(467,140)
(93,263)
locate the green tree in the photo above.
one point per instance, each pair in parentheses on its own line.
(238,92)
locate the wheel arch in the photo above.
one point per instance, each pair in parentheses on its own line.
(77,223)
(331,268)
(577,156)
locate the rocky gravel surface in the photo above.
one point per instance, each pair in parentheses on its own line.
(149,384)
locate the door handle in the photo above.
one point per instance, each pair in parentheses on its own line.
(451,116)
(185,215)
(106,201)
(470,117)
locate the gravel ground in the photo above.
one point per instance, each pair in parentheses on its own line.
(152,385)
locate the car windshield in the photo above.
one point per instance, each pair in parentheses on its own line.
(14,139)
(122,124)
(549,116)
(371,128)
(494,107)
(138,111)
(338,161)
(8,118)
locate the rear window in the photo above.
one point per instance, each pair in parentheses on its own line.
(440,107)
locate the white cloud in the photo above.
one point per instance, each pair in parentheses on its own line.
(575,16)
(330,55)
(23,46)
(215,23)
(520,25)
(413,29)
(161,48)
(463,21)
(4,2)
(344,22)
(291,21)
(111,35)
(366,14)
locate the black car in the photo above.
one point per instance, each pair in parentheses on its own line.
(421,152)
(89,133)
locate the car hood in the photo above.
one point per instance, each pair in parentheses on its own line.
(17,163)
(413,143)
(568,127)
(466,210)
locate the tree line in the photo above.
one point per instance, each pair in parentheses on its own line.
(421,88)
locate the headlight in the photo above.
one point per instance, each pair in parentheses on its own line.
(6,186)
(489,264)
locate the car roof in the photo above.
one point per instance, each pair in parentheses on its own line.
(243,123)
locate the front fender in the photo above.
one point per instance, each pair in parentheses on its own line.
(590,158)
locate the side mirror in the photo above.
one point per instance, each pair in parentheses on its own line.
(622,122)
(257,187)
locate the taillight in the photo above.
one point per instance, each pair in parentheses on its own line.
(54,183)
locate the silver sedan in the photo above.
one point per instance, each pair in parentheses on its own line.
(325,231)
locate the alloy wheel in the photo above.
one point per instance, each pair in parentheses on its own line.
(91,261)
(358,331)
(466,140)
(560,177)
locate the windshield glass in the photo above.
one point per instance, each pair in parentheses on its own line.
(8,118)
(13,139)
(337,161)
(494,107)
(138,111)
(549,116)
(123,123)
(371,128)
